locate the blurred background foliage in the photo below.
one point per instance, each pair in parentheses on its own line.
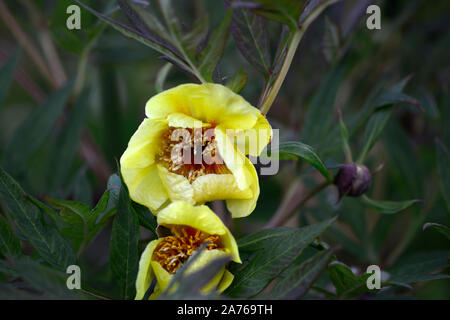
(70,153)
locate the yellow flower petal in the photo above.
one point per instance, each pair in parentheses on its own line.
(233,158)
(144,144)
(211,103)
(177,186)
(162,276)
(225,282)
(181,120)
(201,218)
(145,186)
(253,141)
(243,207)
(211,187)
(145,274)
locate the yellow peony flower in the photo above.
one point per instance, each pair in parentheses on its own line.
(191,226)
(210,116)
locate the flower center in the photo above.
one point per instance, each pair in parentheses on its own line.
(174,250)
(191,152)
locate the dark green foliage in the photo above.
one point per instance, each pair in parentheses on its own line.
(348,95)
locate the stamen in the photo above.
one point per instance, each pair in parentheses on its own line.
(172,153)
(176,249)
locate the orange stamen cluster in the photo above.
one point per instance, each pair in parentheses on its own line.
(192,143)
(173,250)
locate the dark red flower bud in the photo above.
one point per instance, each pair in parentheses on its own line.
(352,180)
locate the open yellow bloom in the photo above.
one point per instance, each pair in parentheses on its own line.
(155,177)
(191,226)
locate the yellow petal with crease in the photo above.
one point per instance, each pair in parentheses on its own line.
(243,207)
(209,102)
(145,274)
(144,144)
(225,282)
(233,158)
(177,186)
(211,187)
(145,186)
(202,218)
(181,120)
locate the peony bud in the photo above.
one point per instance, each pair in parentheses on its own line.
(352,180)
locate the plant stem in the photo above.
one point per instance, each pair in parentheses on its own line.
(280,220)
(273,92)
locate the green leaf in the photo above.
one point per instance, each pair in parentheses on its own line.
(66,144)
(345,138)
(46,280)
(9,243)
(238,81)
(7,74)
(373,130)
(45,238)
(161,77)
(331,41)
(114,184)
(124,255)
(306,153)
(347,284)
(34,129)
(297,279)
(388,207)
(320,109)
(443,165)
(139,36)
(284,11)
(195,38)
(421,267)
(81,223)
(439,227)
(210,57)
(250,34)
(267,253)
(146,218)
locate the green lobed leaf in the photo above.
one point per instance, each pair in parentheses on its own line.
(210,57)
(268,253)
(297,279)
(139,36)
(34,129)
(284,11)
(238,81)
(439,227)
(195,38)
(7,74)
(44,237)
(374,128)
(251,38)
(421,266)
(81,223)
(388,207)
(307,153)
(347,284)
(9,243)
(124,255)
